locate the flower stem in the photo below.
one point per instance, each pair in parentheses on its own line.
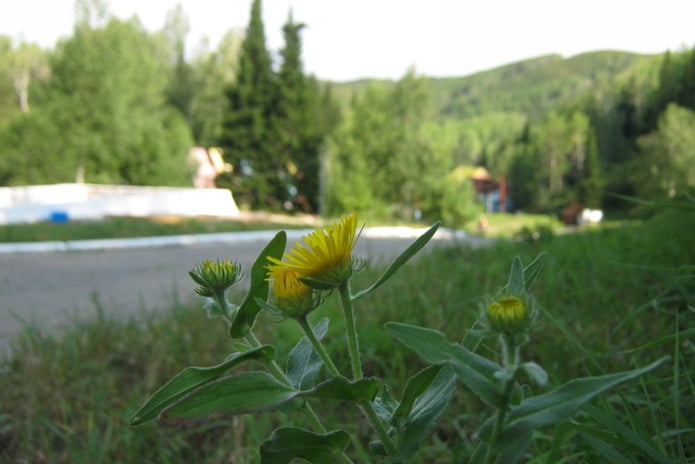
(507,344)
(351,331)
(353,347)
(275,370)
(316,343)
(368,409)
(280,375)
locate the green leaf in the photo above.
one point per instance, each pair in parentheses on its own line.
(288,443)
(556,405)
(517,284)
(532,271)
(304,363)
(513,444)
(246,315)
(415,387)
(246,392)
(192,378)
(536,373)
(426,411)
(432,346)
(400,260)
(565,400)
(259,391)
(385,404)
(342,389)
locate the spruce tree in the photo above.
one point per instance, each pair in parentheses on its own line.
(590,186)
(296,124)
(246,136)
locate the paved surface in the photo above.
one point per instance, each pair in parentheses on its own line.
(51,284)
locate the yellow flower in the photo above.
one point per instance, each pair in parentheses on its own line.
(324,255)
(507,314)
(289,294)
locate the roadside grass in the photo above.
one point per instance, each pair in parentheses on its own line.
(516,224)
(499,225)
(121,227)
(612,299)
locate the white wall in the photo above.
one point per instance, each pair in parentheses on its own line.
(89,201)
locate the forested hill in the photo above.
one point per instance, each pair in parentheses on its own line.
(531,86)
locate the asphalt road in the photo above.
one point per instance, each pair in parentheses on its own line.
(51,289)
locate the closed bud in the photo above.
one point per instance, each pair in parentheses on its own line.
(507,314)
(215,276)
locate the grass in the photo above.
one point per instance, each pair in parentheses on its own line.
(500,225)
(139,227)
(613,299)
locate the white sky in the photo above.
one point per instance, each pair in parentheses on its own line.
(350,39)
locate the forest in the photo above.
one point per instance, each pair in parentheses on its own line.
(114,103)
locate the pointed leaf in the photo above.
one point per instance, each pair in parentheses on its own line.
(191,378)
(512,445)
(400,260)
(476,372)
(288,443)
(415,387)
(532,271)
(565,400)
(536,372)
(304,363)
(560,403)
(426,413)
(245,317)
(385,404)
(517,284)
(247,392)
(342,389)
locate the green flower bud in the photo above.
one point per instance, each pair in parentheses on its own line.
(215,276)
(507,314)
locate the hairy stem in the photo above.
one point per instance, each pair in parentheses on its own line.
(316,343)
(351,331)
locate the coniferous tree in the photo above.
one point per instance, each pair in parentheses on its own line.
(181,91)
(246,135)
(687,90)
(296,124)
(590,185)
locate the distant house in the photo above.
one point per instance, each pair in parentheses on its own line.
(492,193)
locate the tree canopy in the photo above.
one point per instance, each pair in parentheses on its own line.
(115,103)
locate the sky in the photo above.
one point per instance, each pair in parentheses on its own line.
(351,39)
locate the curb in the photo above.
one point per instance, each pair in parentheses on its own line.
(197,239)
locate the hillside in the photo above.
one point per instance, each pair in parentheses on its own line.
(531,86)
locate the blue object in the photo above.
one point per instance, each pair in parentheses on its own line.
(59,216)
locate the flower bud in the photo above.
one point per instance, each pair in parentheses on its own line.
(289,294)
(215,276)
(507,314)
